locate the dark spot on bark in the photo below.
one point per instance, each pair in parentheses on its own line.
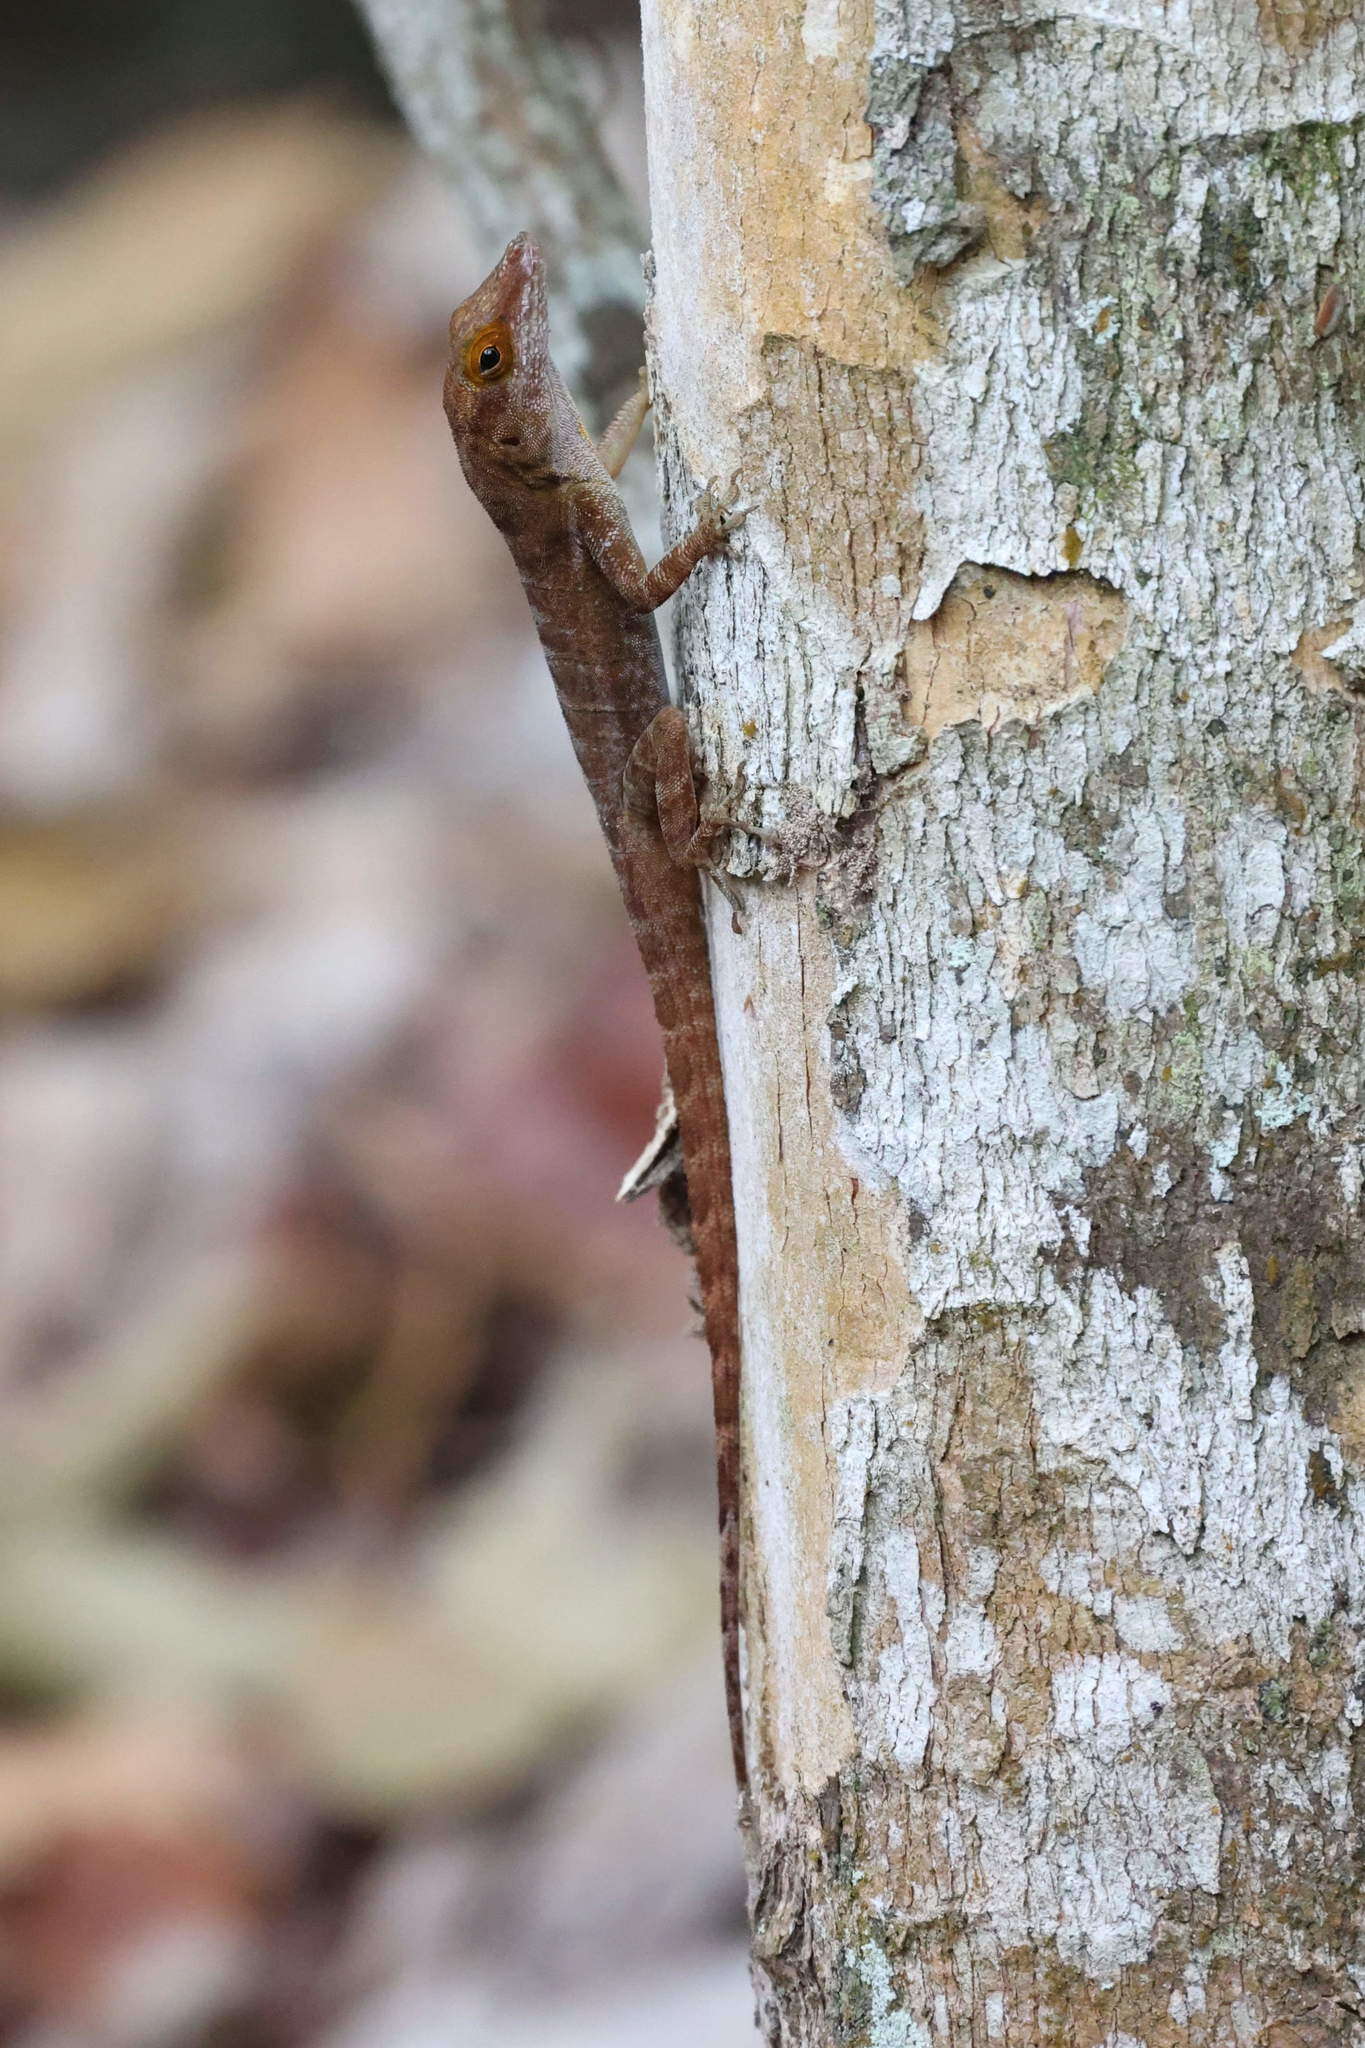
(1283,1203)
(1320,1479)
(1288,800)
(1230,248)
(1167,1243)
(1086,826)
(1130,769)
(847,1079)
(829,1806)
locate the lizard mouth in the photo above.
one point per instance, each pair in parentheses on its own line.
(521,255)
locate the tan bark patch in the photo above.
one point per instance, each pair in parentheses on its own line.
(1349,1418)
(1009,223)
(837,443)
(1296,25)
(780,105)
(1004,646)
(1308,659)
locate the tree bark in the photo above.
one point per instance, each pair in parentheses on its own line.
(1036,665)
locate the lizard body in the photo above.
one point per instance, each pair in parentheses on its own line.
(551,494)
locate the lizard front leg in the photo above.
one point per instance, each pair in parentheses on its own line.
(601,525)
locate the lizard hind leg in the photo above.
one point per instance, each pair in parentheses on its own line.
(621,436)
(661,786)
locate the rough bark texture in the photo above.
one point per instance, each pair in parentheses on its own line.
(1044,1050)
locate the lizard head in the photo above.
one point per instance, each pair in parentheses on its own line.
(497,395)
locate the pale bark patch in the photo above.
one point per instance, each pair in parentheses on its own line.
(825,1308)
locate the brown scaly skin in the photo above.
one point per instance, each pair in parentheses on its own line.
(550,493)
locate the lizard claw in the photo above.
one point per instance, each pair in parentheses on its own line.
(722,511)
(728,890)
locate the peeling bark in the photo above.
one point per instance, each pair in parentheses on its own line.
(1037,668)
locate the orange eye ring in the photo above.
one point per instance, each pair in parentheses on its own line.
(488,354)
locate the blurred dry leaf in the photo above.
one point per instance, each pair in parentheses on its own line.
(92,1429)
(333,1395)
(640,1841)
(135,1858)
(525,1613)
(89,907)
(537,1605)
(159,1770)
(133,1938)
(706,2003)
(190,229)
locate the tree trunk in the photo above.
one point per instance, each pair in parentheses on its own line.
(1031,329)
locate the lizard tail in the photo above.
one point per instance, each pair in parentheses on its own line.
(673,943)
(698,1091)
(729,1608)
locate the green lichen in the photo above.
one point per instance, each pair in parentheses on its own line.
(1312,157)
(1182,1077)
(853,2000)
(1322,1643)
(1346,865)
(1273,1699)
(1100,468)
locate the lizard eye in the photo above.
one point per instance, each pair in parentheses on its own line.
(488,354)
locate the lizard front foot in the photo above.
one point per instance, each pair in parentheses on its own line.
(721,512)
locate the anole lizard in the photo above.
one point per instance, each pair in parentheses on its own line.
(551,494)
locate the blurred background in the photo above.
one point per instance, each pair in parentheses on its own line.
(359,1665)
